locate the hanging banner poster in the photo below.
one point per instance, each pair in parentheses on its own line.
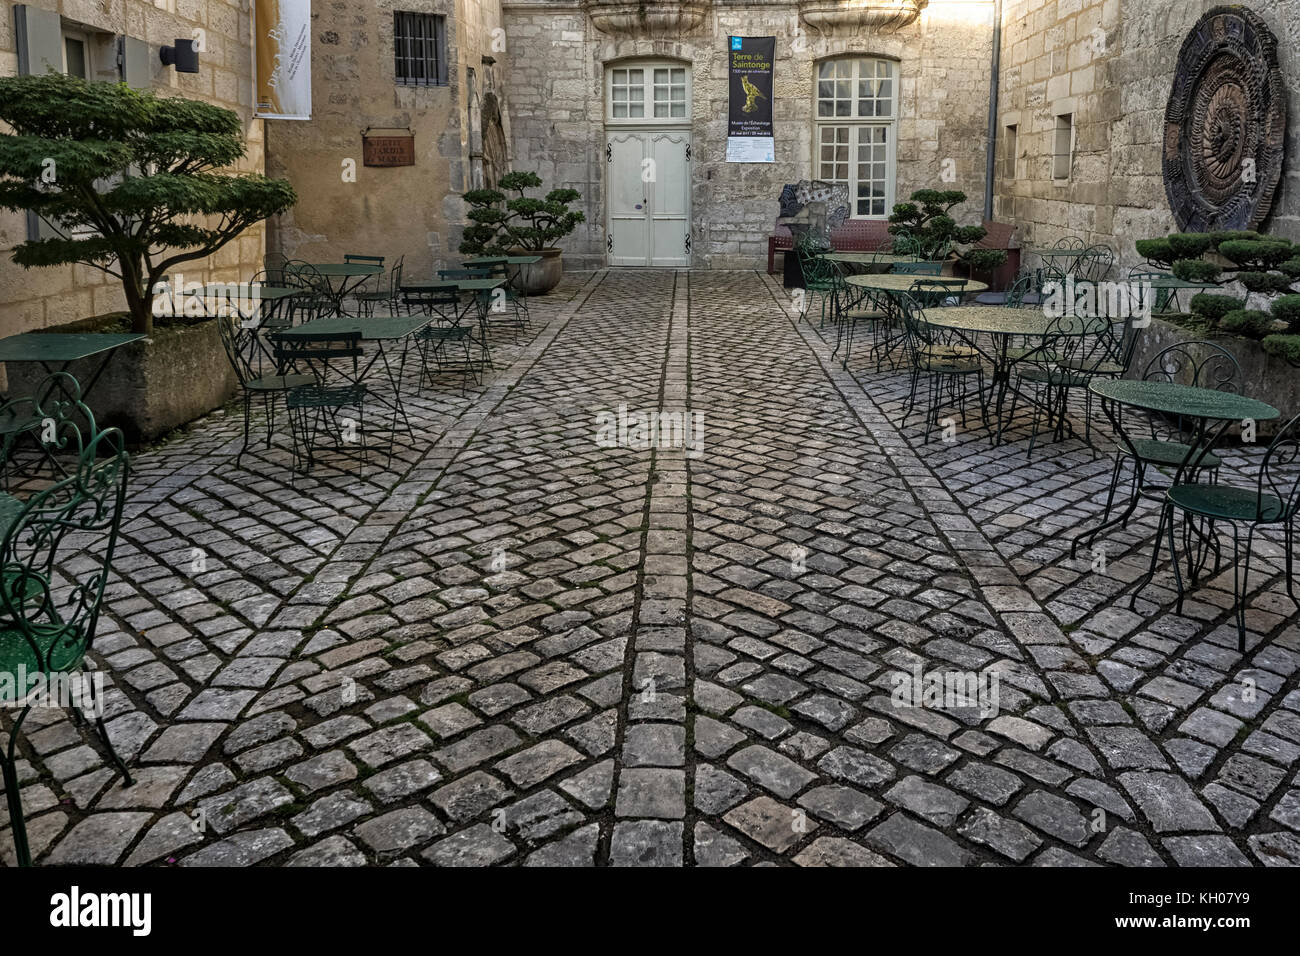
(282,59)
(749,103)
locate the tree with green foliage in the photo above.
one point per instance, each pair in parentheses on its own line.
(1266,265)
(498,224)
(925,219)
(131,183)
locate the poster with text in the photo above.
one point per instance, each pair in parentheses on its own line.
(282,60)
(749,100)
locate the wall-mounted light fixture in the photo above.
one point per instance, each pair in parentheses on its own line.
(183,56)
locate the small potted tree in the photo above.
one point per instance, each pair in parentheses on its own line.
(925,220)
(522,225)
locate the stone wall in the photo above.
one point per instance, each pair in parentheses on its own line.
(1111,63)
(36,298)
(412,211)
(557,58)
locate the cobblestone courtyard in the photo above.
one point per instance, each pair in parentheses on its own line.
(516,646)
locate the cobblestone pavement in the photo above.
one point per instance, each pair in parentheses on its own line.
(519,646)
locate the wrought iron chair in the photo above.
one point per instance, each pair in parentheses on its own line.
(1096,262)
(1274,500)
(1065,359)
(315,300)
(516,298)
(820,276)
(928,356)
(314,407)
(55,558)
(937,293)
(368,299)
(1169,445)
(246,355)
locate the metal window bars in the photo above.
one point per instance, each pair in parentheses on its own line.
(420,48)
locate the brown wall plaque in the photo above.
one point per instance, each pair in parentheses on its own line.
(387,150)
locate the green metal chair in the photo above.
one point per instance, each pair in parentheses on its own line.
(315,407)
(937,293)
(372,283)
(517,299)
(55,558)
(928,356)
(1202,364)
(1064,360)
(1273,501)
(387,295)
(245,355)
(820,276)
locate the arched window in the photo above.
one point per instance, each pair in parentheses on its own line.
(856,124)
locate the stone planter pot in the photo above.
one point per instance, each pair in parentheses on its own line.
(538,278)
(151,386)
(1263,376)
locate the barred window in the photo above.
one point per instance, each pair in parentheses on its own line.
(420,48)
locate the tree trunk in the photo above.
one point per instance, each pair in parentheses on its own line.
(138,300)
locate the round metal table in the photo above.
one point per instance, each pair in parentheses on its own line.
(890,283)
(989,329)
(1210,412)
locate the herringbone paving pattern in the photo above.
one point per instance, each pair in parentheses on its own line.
(531,641)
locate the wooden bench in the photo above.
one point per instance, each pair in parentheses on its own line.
(856,235)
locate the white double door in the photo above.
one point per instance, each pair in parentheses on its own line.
(649,197)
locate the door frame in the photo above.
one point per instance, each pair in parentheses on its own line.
(647,125)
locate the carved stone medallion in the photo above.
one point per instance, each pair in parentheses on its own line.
(1225,125)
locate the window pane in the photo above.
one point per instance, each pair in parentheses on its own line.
(661,76)
(620,110)
(636,76)
(679,109)
(636,109)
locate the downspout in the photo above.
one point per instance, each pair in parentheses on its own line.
(991,164)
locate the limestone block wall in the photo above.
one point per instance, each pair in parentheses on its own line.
(412,211)
(37,298)
(1111,63)
(557,62)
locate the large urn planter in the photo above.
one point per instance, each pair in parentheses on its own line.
(541,277)
(150,386)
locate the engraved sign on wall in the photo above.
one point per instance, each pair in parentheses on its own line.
(388,150)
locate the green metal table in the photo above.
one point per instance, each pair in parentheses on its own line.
(890,284)
(1173,286)
(383,332)
(1210,411)
(349,275)
(62,349)
(989,330)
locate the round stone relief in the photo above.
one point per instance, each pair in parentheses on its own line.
(1225,125)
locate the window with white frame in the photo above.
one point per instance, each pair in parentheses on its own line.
(647,92)
(855,122)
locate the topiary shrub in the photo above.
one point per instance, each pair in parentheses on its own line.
(1256,254)
(1157,251)
(1248,322)
(1291,267)
(1189,245)
(1267,283)
(1215,307)
(1196,270)
(1287,308)
(1221,236)
(1285,347)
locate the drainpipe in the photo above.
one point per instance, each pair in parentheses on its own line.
(990,165)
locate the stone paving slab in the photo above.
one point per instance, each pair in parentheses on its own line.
(535,639)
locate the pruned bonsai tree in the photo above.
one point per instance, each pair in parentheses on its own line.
(1265,265)
(925,221)
(498,225)
(130,183)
